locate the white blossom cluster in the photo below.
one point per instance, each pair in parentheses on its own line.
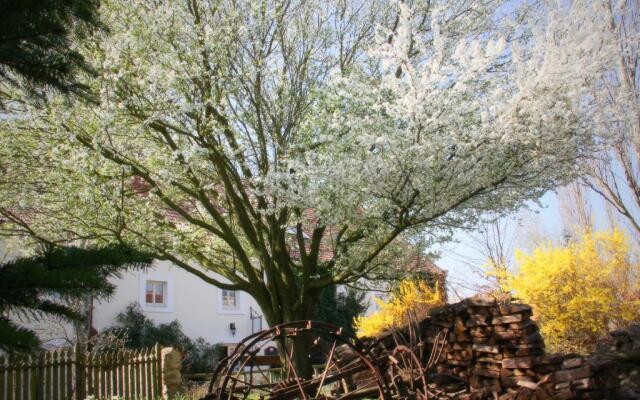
(479,118)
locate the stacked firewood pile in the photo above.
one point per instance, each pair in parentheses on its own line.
(499,351)
(618,366)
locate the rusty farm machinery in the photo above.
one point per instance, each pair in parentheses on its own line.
(318,360)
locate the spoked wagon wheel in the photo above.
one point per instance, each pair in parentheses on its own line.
(316,361)
(408,376)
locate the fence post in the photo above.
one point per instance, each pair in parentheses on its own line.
(79,369)
(40,376)
(157,370)
(171,379)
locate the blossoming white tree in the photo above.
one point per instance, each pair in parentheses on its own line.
(247,137)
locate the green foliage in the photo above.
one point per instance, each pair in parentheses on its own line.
(138,331)
(44,284)
(340,308)
(36,46)
(16,338)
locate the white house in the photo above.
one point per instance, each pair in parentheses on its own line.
(166,293)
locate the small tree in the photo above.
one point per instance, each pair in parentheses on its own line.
(492,244)
(581,290)
(340,307)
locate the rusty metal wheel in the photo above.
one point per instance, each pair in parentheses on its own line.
(409,378)
(316,361)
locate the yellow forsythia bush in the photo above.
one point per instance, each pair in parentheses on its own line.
(579,291)
(412,296)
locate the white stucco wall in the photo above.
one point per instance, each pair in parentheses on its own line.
(190,300)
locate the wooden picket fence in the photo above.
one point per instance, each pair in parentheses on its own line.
(74,374)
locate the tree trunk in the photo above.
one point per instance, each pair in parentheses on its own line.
(294,352)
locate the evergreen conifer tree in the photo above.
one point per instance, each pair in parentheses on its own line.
(43,284)
(36,44)
(340,308)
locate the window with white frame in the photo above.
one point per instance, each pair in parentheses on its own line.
(230,299)
(155,293)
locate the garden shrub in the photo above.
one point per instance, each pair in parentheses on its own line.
(415,297)
(580,291)
(134,330)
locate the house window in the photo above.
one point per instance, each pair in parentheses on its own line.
(156,293)
(230,299)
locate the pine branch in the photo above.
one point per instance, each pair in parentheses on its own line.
(43,284)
